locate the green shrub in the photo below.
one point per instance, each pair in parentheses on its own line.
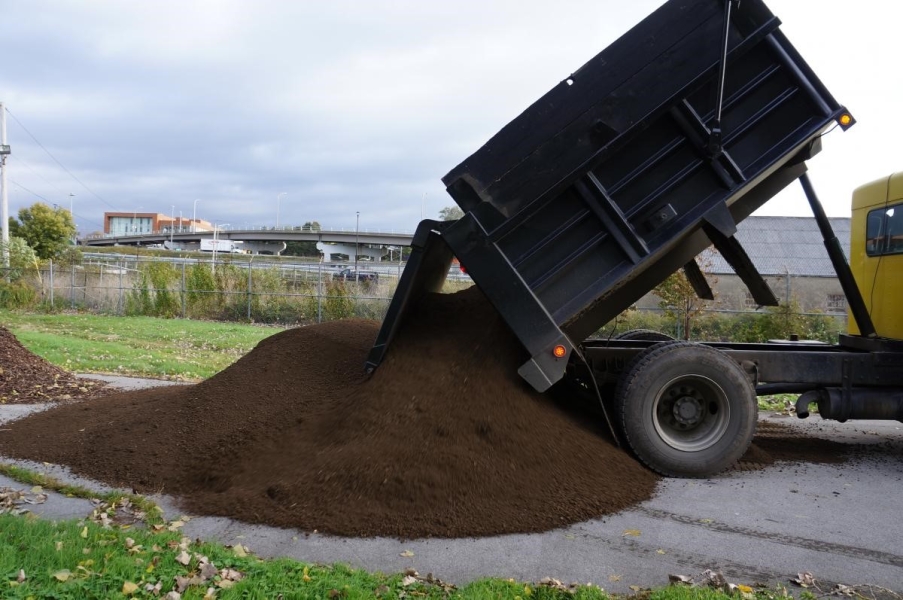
(17,295)
(151,295)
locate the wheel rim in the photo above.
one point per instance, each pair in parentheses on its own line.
(691,413)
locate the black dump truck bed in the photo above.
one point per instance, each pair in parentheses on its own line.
(624,172)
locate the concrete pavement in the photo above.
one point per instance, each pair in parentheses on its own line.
(841,522)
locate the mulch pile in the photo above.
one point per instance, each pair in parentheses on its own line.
(26,378)
(444,439)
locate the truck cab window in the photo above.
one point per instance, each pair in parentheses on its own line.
(884,231)
(894,228)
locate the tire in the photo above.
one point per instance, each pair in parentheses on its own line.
(686,410)
(644,335)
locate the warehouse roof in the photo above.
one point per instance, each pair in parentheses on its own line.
(778,245)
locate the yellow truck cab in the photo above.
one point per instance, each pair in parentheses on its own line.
(876,253)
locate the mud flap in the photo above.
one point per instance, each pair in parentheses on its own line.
(425,272)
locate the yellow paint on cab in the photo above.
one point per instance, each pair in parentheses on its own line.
(879,277)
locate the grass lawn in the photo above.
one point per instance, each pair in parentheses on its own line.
(139,346)
(78,559)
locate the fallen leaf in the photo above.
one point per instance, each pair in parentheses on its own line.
(129,588)
(660,551)
(176,525)
(154,588)
(231,575)
(211,594)
(208,570)
(183,558)
(679,579)
(84,532)
(631,532)
(37,490)
(804,579)
(408,580)
(225,584)
(635,588)
(172,596)
(239,551)
(21,576)
(407,554)
(59,546)
(714,579)
(614,578)
(63,575)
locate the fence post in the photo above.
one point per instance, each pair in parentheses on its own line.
(183,290)
(320,292)
(121,269)
(249,289)
(51,284)
(72,286)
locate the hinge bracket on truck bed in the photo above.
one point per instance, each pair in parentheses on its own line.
(718,224)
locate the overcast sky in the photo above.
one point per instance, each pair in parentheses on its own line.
(350,106)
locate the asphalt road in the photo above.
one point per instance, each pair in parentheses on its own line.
(840,522)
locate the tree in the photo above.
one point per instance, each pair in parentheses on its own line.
(679,300)
(21,258)
(451,213)
(47,230)
(303,248)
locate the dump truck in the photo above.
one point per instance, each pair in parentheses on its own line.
(620,175)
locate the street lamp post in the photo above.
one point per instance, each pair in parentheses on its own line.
(172,225)
(357,243)
(278,198)
(135,219)
(215,229)
(194,216)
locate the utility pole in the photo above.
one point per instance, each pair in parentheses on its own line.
(72,214)
(4,201)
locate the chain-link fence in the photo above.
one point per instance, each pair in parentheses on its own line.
(264,290)
(228,287)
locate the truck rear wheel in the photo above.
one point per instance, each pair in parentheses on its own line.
(686,410)
(644,335)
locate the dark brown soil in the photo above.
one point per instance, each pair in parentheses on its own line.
(444,440)
(775,442)
(26,378)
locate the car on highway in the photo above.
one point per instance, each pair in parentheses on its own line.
(352,275)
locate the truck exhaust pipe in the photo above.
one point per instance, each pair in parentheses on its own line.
(858,403)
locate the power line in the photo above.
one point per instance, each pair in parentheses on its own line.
(18,158)
(36,195)
(92,192)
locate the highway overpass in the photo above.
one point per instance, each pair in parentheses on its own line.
(261,237)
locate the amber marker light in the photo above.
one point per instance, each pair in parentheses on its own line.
(559,351)
(846,120)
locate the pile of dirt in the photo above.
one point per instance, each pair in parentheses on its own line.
(776,442)
(443,440)
(26,378)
